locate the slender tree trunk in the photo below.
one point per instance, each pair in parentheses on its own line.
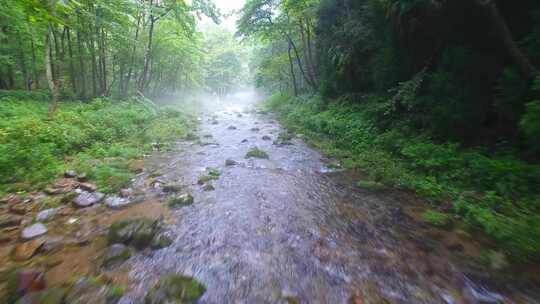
(22,63)
(103,60)
(143,82)
(34,64)
(305,49)
(53,85)
(71,65)
(524,65)
(132,61)
(94,66)
(82,68)
(293,76)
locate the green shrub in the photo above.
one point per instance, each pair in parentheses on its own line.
(437,219)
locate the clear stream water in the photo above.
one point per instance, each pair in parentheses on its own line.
(291,228)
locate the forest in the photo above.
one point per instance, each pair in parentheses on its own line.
(440,97)
(280,151)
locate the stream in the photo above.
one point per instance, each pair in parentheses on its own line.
(289,229)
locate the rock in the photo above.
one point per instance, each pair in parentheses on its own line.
(126,193)
(20,208)
(70,174)
(88,187)
(175,289)
(82,178)
(161,240)
(257,153)
(54,191)
(266,137)
(33,231)
(87,199)
(116,254)
(136,166)
(208,187)
(11,199)
(5,238)
(8,220)
(230,162)
(231,128)
(255,129)
(51,245)
(138,232)
(23,282)
(91,291)
(46,215)
(244,141)
(207,136)
(173,188)
(180,201)
(115,202)
(48,296)
(26,250)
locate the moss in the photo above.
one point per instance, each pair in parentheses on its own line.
(285,136)
(175,289)
(213,174)
(437,219)
(257,153)
(371,185)
(180,201)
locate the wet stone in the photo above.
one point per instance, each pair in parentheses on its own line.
(20,208)
(138,232)
(91,291)
(267,138)
(115,202)
(180,201)
(24,251)
(9,220)
(116,254)
(255,129)
(126,193)
(46,215)
(230,162)
(82,178)
(244,141)
(11,199)
(208,187)
(70,174)
(160,241)
(88,187)
(175,289)
(33,231)
(87,199)
(231,128)
(172,188)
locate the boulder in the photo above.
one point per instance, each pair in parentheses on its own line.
(230,162)
(138,232)
(87,199)
(116,254)
(175,289)
(46,215)
(33,231)
(115,202)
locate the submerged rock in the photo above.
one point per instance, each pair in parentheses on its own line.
(33,231)
(87,199)
(208,187)
(138,232)
(115,202)
(231,128)
(255,129)
(116,254)
(175,289)
(180,201)
(230,162)
(266,137)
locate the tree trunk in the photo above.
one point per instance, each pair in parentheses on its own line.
(526,68)
(94,66)
(103,62)
(125,86)
(53,85)
(309,64)
(143,80)
(293,76)
(71,66)
(34,64)
(82,68)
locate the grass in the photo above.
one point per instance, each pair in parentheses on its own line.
(494,193)
(257,153)
(213,174)
(100,139)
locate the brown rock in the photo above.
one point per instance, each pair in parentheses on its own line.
(20,208)
(88,187)
(25,251)
(11,199)
(7,220)
(30,280)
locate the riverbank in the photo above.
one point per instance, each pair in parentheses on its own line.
(495,193)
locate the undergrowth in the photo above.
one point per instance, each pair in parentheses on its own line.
(99,139)
(497,193)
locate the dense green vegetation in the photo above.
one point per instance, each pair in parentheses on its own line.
(435,96)
(101,139)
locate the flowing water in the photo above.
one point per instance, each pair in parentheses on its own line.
(289,228)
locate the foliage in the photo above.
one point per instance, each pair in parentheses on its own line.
(497,194)
(97,138)
(437,219)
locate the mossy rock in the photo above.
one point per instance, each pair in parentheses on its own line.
(91,290)
(257,153)
(180,201)
(116,254)
(285,136)
(138,232)
(208,188)
(175,289)
(371,185)
(213,174)
(161,241)
(437,219)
